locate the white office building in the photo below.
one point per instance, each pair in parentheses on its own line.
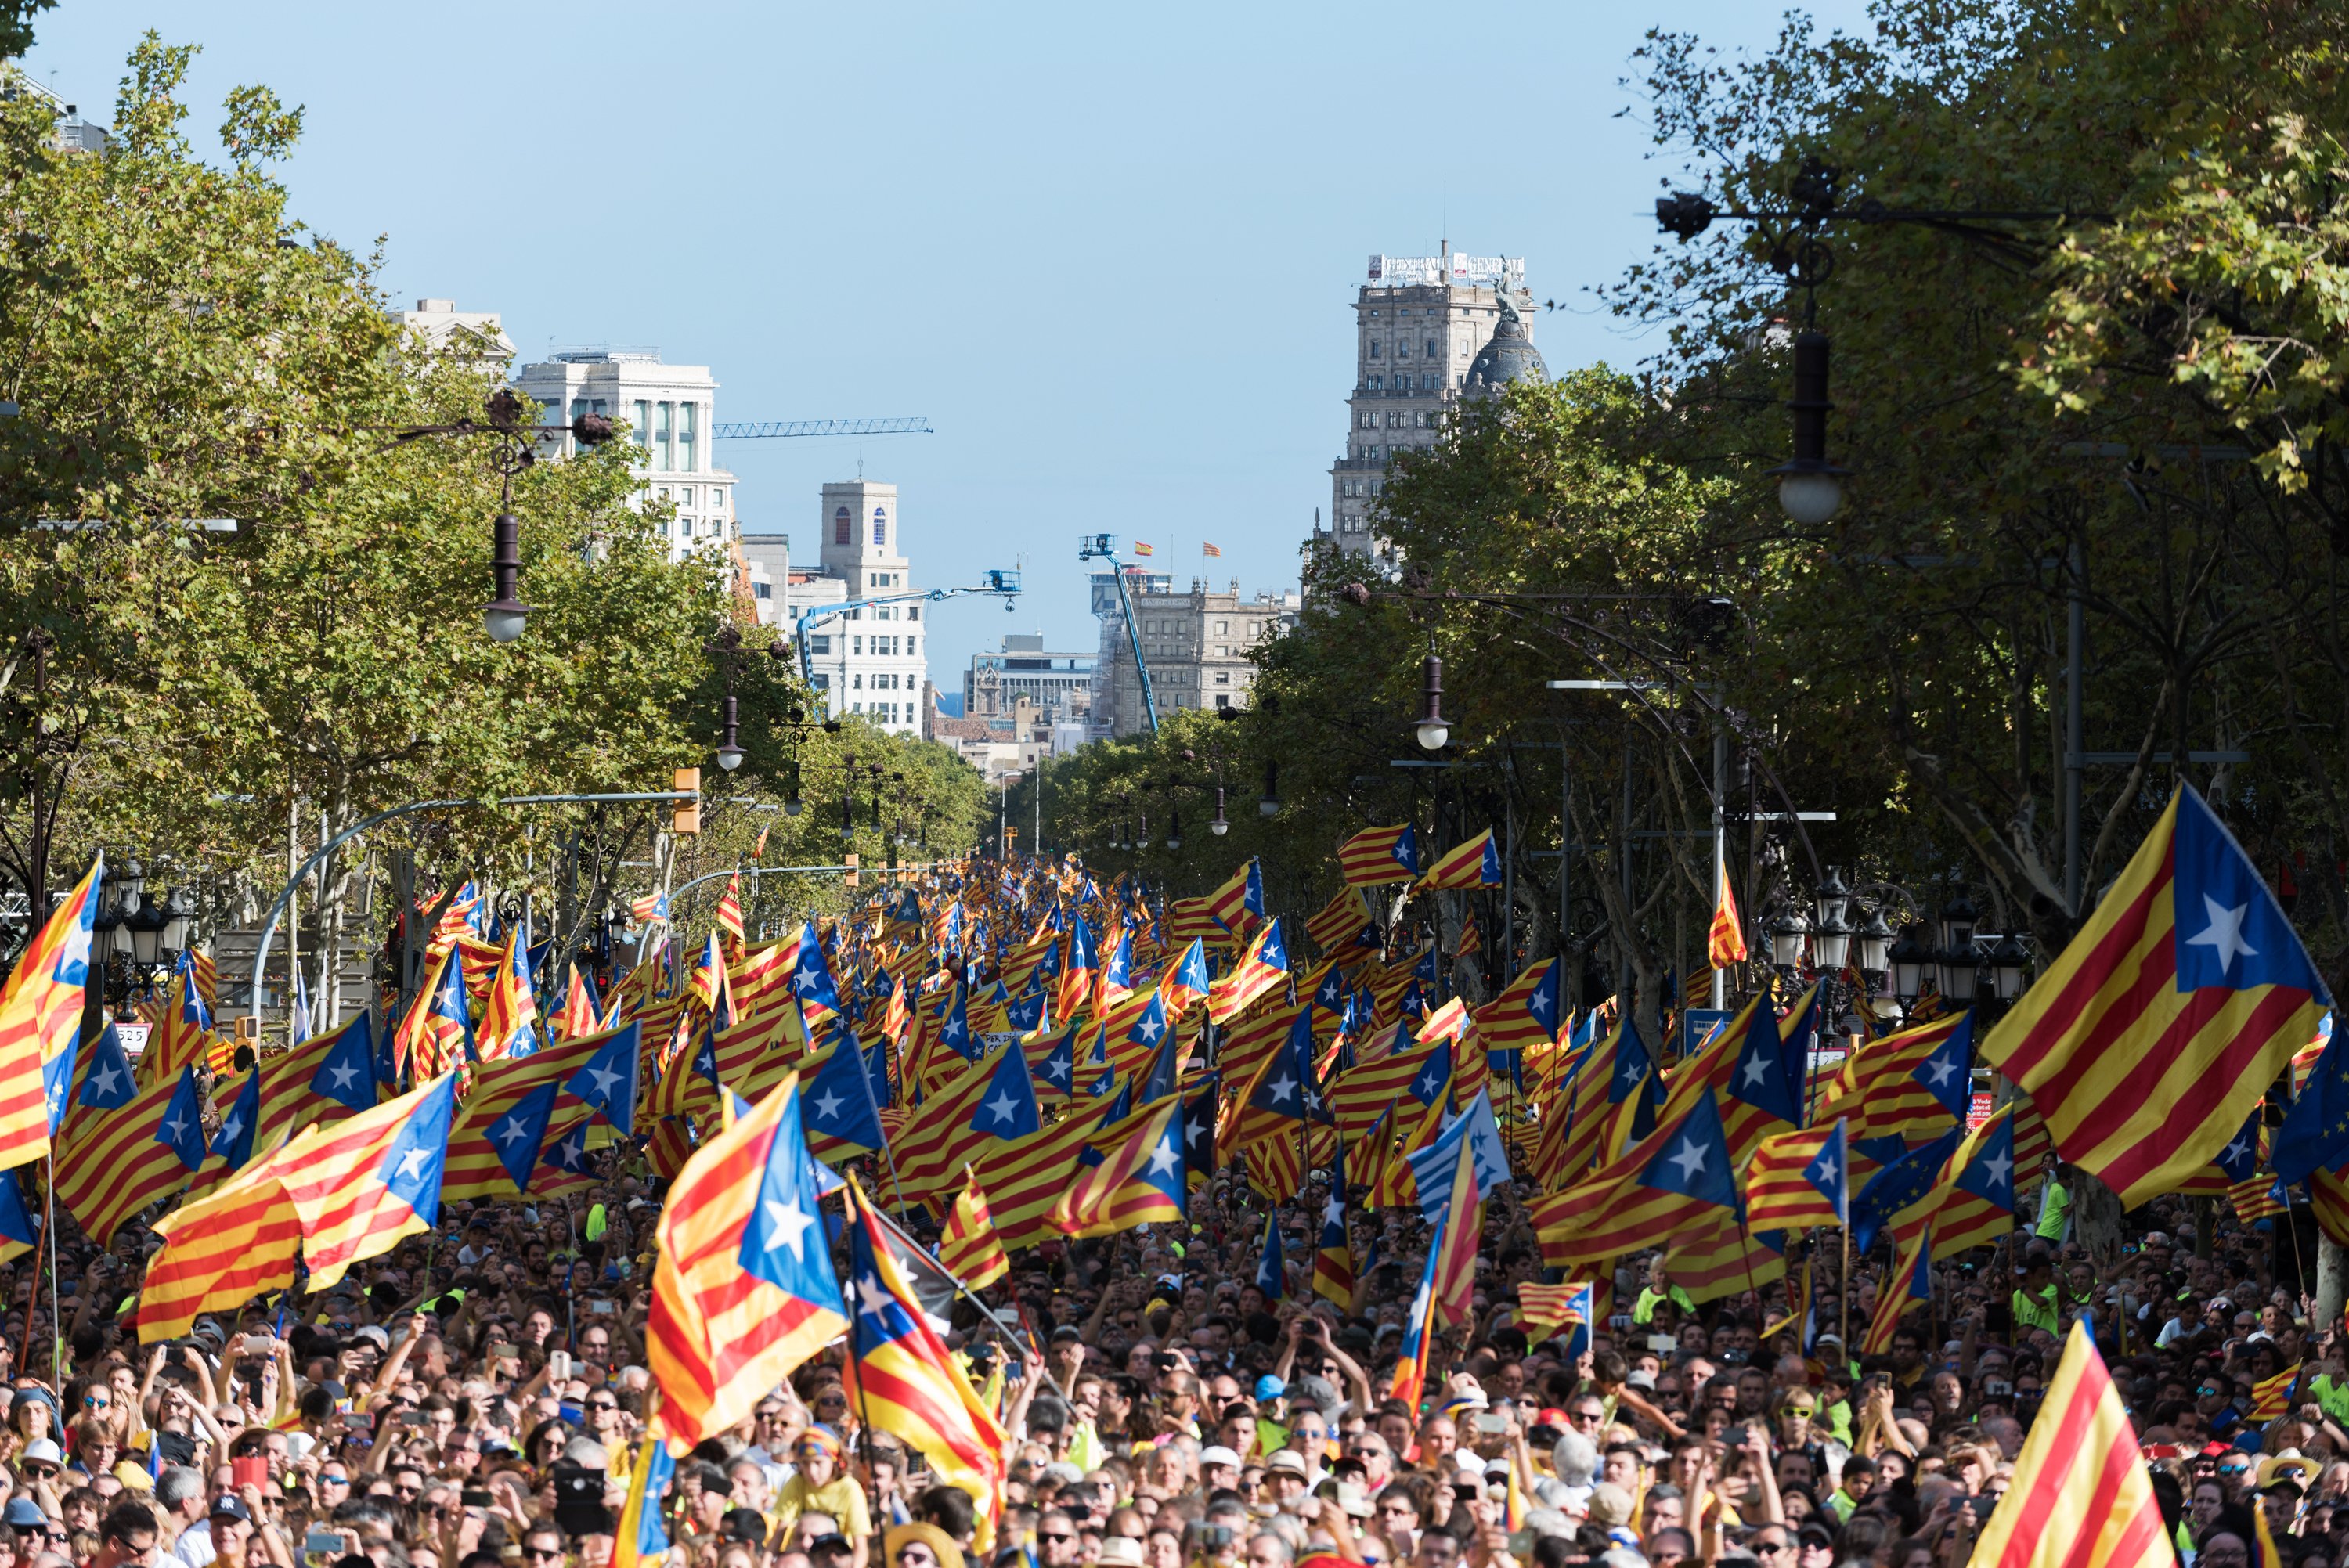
(870,660)
(671,413)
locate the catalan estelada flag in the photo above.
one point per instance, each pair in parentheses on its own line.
(222,1248)
(2164,1021)
(2080,1497)
(510,1015)
(578,1015)
(2271,1397)
(1542,1309)
(1797,1179)
(743,1289)
(1916,1083)
(1140,1184)
(1333,1254)
(1656,1187)
(1409,1381)
(113,1160)
(1972,1201)
(1376,856)
(641,1541)
(1724,940)
(969,1249)
(1238,905)
(729,911)
(1525,1014)
(899,1373)
(40,1025)
(1343,924)
(1186,983)
(437,1032)
(324,1079)
(1911,1284)
(1264,965)
(1470,865)
(364,1185)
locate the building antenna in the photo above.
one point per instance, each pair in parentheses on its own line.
(1443,223)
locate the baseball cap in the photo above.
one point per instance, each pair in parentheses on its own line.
(1270,1388)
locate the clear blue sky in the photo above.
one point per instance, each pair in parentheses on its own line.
(1109,250)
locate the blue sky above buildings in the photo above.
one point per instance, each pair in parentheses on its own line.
(1109,251)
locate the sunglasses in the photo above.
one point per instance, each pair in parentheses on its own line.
(1054,1536)
(540,1555)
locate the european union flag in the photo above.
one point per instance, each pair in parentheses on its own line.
(2314,1134)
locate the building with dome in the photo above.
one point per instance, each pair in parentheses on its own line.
(1428,332)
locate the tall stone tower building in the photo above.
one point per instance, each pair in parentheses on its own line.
(1428,330)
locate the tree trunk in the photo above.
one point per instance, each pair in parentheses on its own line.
(2332,1280)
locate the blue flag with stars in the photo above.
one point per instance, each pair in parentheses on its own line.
(1010,1109)
(2240,1157)
(108,1084)
(608,1080)
(2315,1133)
(233,1142)
(1898,1185)
(784,1242)
(1270,1273)
(836,1104)
(16,1230)
(520,1135)
(345,1072)
(1763,1076)
(1696,1163)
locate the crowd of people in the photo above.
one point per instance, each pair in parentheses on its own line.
(475,1397)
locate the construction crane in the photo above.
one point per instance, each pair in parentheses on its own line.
(768,429)
(1005,582)
(1103,547)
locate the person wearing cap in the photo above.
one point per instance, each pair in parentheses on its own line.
(921,1546)
(232,1526)
(1270,1433)
(1219,1467)
(820,1486)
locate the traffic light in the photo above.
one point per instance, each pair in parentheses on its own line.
(687,816)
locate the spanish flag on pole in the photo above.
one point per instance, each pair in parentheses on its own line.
(2150,1039)
(40,1025)
(2080,1498)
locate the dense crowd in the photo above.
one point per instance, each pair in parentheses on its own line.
(474,1398)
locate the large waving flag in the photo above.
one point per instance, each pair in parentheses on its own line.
(1526,1013)
(1376,856)
(1972,1201)
(437,1032)
(2152,1035)
(113,1160)
(900,1374)
(1799,1178)
(40,1023)
(1677,1174)
(1264,965)
(1473,864)
(1140,1184)
(841,1118)
(606,1081)
(990,1105)
(321,1079)
(1342,924)
(1462,1223)
(517,1105)
(1186,984)
(220,1250)
(1238,905)
(743,1289)
(1913,1084)
(364,1185)
(2080,1497)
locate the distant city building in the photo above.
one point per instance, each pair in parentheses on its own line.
(1107,610)
(867,660)
(670,411)
(1428,330)
(1197,646)
(1011,742)
(71,133)
(444,325)
(1060,686)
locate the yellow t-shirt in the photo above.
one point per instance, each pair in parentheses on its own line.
(840,1497)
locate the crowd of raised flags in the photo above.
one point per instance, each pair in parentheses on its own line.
(884,1169)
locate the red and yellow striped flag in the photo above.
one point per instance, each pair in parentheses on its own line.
(222,1248)
(1796,1179)
(1375,857)
(2080,1497)
(2149,1039)
(40,1023)
(363,1185)
(1725,941)
(969,1249)
(111,1163)
(1473,864)
(729,911)
(2271,1397)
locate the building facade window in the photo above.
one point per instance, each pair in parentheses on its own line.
(1374,348)
(664,437)
(880,525)
(843,527)
(689,429)
(820,644)
(642,433)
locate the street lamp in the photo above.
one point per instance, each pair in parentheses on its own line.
(1269,803)
(146,927)
(178,927)
(791,789)
(1433,728)
(1174,830)
(727,649)
(1875,947)
(1787,939)
(2009,963)
(1219,827)
(503,616)
(1909,959)
(1810,488)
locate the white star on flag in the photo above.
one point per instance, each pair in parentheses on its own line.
(790,1225)
(2224,933)
(1690,1158)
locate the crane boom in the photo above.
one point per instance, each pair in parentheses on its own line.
(1102,546)
(1003,583)
(914,425)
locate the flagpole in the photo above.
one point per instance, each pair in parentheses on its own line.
(50,1225)
(1843,1296)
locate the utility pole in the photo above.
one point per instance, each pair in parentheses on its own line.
(1720,999)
